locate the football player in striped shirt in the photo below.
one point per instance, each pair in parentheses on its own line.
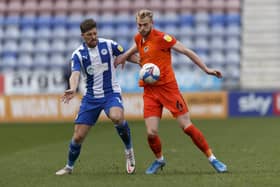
(94,58)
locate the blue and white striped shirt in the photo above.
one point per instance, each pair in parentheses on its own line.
(97,67)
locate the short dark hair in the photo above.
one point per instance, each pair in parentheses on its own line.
(87,25)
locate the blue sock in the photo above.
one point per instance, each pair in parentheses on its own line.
(124,132)
(74,152)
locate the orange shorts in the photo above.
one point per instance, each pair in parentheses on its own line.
(168,96)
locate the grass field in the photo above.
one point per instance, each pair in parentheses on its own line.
(31,153)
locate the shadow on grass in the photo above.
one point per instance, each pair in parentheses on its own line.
(142,173)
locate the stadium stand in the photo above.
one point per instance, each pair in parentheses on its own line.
(261,45)
(40,33)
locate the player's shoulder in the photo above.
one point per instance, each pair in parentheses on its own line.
(105,40)
(158,32)
(138,36)
(163,35)
(78,49)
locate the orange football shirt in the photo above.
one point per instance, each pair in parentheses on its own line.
(156,48)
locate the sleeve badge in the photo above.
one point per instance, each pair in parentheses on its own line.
(167,38)
(120,48)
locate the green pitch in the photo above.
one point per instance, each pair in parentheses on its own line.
(31,153)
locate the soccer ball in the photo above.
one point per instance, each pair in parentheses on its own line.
(149,73)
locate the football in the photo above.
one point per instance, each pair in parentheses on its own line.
(149,73)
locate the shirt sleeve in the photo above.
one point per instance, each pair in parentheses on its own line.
(75,63)
(136,39)
(167,41)
(117,49)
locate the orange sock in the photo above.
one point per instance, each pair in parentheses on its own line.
(198,139)
(155,145)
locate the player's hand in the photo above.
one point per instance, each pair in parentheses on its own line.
(68,95)
(214,72)
(120,60)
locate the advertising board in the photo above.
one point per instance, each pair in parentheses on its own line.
(276,104)
(34,82)
(2,84)
(250,103)
(46,108)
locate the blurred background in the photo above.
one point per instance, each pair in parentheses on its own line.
(239,37)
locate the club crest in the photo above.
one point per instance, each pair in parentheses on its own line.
(146,49)
(90,70)
(104,51)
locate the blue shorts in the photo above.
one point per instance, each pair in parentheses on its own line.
(90,109)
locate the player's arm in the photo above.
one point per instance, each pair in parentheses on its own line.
(128,55)
(134,58)
(179,47)
(73,82)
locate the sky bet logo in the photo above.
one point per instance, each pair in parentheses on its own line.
(252,103)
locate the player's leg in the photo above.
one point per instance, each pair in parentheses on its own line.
(200,141)
(155,144)
(152,115)
(80,132)
(114,110)
(172,99)
(195,134)
(123,130)
(86,118)
(121,125)
(174,102)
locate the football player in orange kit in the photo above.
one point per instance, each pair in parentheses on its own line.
(155,47)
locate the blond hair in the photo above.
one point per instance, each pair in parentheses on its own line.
(141,14)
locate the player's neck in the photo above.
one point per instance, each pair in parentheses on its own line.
(144,38)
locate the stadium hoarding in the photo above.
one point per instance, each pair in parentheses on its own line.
(2,84)
(2,107)
(250,104)
(34,82)
(207,104)
(53,81)
(195,82)
(47,108)
(201,104)
(276,104)
(29,108)
(128,81)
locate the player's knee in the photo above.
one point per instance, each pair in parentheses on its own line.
(116,118)
(78,138)
(117,121)
(184,120)
(152,132)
